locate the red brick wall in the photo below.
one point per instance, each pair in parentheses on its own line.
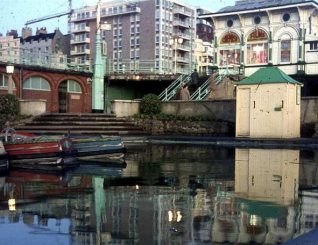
(55,78)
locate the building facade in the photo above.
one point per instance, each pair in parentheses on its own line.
(257,33)
(52,49)
(10,49)
(149,36)
(204,57)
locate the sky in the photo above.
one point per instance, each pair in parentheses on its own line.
(14,13)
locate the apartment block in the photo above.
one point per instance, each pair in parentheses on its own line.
(9,48)
(149,36)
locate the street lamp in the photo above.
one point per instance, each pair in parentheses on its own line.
(10,70)
(175,41)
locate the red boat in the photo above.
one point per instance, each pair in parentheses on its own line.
(38,152)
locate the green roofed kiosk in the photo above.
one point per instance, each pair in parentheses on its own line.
(268,105)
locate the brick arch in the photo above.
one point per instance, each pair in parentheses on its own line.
(38,75)
(16,87)
(79,81)
(74,102)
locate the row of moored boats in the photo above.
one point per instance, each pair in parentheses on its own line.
(22,150)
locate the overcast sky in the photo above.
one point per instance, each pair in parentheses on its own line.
(14,13)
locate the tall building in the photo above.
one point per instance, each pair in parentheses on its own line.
(257,33)
(155,36)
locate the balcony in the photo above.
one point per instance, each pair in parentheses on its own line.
(82,40)
(185,35)
(182,11)
(182,59)
(182,23)
(80,29)
(123,11)
(80,52)
(184,47)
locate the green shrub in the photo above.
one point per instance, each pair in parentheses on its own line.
(9,107)
(150,105)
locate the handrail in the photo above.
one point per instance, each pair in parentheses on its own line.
(203,91)
(172,89)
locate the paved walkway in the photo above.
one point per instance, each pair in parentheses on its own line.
(229,141)
(310,238)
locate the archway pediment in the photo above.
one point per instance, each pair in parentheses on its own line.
(257,35)
(230,38)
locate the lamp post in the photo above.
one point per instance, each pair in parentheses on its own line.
(10,70)
(175,41)
(98,103)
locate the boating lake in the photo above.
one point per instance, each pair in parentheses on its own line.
(166,194)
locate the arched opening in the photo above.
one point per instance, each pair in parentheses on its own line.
(257,47)
(229,50)
(69,94)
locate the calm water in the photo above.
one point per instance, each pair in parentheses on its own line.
(166,194)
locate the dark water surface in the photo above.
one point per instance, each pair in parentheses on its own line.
(166,194)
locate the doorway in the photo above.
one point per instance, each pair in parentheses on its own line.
(63,101)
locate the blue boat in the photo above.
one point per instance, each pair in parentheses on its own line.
(111,147)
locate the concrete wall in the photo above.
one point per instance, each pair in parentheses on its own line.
(217,109)
(220,109)
(32,107)
(125,108)
(309,110)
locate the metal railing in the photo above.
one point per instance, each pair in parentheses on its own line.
(60,61)
(170,92)
(204,90)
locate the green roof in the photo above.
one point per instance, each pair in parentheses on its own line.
(267,75)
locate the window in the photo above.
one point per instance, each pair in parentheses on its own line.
(286,17)
(229,23)
(3,81)
(73,87)
(257,20)
(285,46)
(257,47)
(313,46)
(229,49)
(36,83)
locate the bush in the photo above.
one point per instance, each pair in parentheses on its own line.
(9,107)
(150,105)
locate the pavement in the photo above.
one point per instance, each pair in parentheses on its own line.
(299,143)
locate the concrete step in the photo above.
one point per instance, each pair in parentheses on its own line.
(71,127)
(80,123)
(89,123)
(87,132)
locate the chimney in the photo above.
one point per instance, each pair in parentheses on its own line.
(26,32)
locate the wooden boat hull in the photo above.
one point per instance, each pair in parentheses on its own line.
(98,146)
(36,153)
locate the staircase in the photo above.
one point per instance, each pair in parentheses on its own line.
(90,123)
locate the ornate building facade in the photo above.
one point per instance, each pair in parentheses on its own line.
(256,33)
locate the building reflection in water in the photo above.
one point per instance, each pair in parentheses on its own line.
(169,194)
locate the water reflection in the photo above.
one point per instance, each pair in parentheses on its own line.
(166,194)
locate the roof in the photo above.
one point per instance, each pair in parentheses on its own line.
(268,75)
(242,5)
